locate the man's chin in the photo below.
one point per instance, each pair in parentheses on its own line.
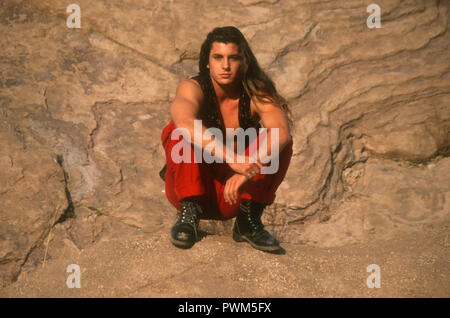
(225,81)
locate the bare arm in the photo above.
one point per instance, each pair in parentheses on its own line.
(273,117)
(186,105)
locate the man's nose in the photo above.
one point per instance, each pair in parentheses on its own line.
(226,64)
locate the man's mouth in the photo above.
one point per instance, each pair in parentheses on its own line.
(225,75)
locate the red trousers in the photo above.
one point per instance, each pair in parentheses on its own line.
(206,181)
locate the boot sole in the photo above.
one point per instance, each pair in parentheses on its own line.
(181,244)
(242,238)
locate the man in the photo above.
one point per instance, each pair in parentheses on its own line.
(231,91)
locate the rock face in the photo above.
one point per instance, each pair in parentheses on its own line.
(32,195)
(81,112)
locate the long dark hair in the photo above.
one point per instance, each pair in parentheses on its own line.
(254,80)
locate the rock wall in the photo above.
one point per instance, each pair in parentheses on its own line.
(81,112)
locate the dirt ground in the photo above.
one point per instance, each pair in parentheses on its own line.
(147,265)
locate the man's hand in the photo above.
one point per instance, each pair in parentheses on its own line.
(246,169)
(231,191)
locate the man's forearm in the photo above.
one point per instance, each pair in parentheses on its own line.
(196,136)
(281,139)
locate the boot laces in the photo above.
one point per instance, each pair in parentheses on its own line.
(189,214)
(254,218)
(255,222)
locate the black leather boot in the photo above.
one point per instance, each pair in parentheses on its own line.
(249,228)
(184,232)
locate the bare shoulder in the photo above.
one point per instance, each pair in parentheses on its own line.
(271,115)
(190,90)
(187,103)
(260,105)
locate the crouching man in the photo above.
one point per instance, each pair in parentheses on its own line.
(230,94)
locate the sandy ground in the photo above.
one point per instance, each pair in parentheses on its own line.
(147,265)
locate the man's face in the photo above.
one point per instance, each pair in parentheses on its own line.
(225,63)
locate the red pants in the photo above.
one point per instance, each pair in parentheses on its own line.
(207,181)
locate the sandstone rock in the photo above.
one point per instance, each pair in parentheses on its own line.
(128,140)
(382,199)
(32,198)
(82,112)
